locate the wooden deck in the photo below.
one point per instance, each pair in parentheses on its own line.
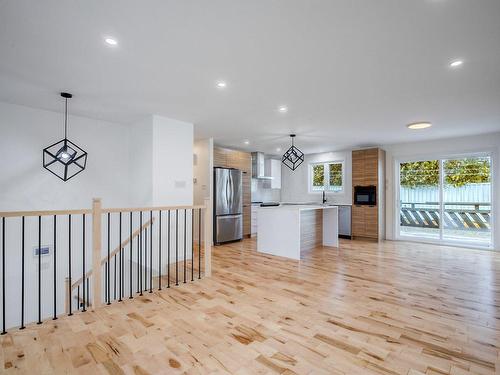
(458,216)
(391,308)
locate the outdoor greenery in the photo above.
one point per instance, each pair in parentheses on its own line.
(318,175)
(334,176)
(457,172)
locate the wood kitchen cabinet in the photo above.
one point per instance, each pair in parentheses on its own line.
(227,158)
(368,169)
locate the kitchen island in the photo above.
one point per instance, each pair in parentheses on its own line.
(287,230)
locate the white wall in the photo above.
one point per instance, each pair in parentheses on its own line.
(202,170)
(172,162)
(203,166)
(448,147)
(25,185)
(294,184)
(140,152)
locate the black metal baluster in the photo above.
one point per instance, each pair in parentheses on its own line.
(145,263)
(176,247)
(151,252)
(192,244)
(3,276)
(114,277)
(138,263)
(55,268)
(185,221)
(83,264)
(108,262)
(69,264)
(199,243)
(39,270)
(121,260)
(140,251)
(159,252)
(130,260)
(145,259)
(88,293)
(106,281)
(168,251)
(22,275)
(78,297)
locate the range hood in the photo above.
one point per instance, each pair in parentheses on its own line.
(258,166)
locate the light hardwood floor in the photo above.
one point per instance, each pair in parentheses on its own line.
(391,308)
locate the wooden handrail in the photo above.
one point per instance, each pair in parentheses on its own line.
(87,211)
(157,208)
(114,252)
(43,213)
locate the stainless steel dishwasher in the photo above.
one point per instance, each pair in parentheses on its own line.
(345,221)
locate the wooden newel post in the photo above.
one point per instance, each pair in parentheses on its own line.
(207,240)
(96,253)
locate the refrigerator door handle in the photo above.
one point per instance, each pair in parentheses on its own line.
(227,192)
(231,187)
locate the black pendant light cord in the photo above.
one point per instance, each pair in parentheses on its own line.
(66,96)
(66,118)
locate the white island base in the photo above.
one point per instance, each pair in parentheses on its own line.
(287,230)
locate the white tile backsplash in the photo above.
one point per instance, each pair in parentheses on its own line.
(261,193)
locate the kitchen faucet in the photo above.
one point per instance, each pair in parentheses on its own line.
(324,197)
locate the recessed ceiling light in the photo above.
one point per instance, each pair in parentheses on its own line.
(246,142)
(456,63)
(419,125)
(278,149)
(283,109)
(221,84)
(111,41)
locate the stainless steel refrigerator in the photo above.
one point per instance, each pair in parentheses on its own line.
(228,202)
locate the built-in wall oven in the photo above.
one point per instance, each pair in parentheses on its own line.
(365,195)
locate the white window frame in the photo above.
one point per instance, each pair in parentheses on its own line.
(326,178)
(442,156)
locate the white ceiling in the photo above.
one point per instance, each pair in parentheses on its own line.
(351,72)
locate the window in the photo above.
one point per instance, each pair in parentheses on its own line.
(326,177)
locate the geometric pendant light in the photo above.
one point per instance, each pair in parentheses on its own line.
(64,159)
(293,157)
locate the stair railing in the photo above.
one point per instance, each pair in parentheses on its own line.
(133,250)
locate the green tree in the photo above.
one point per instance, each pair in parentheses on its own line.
(335,174)
(457,172)
(318,175)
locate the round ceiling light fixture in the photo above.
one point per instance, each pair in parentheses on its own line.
(283,109)
(419,125)
(221,85)
(111,41)
(456,63)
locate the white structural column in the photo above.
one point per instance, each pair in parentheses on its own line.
(278,230)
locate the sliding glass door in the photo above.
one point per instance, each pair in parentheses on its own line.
(446,200)
(419,199)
